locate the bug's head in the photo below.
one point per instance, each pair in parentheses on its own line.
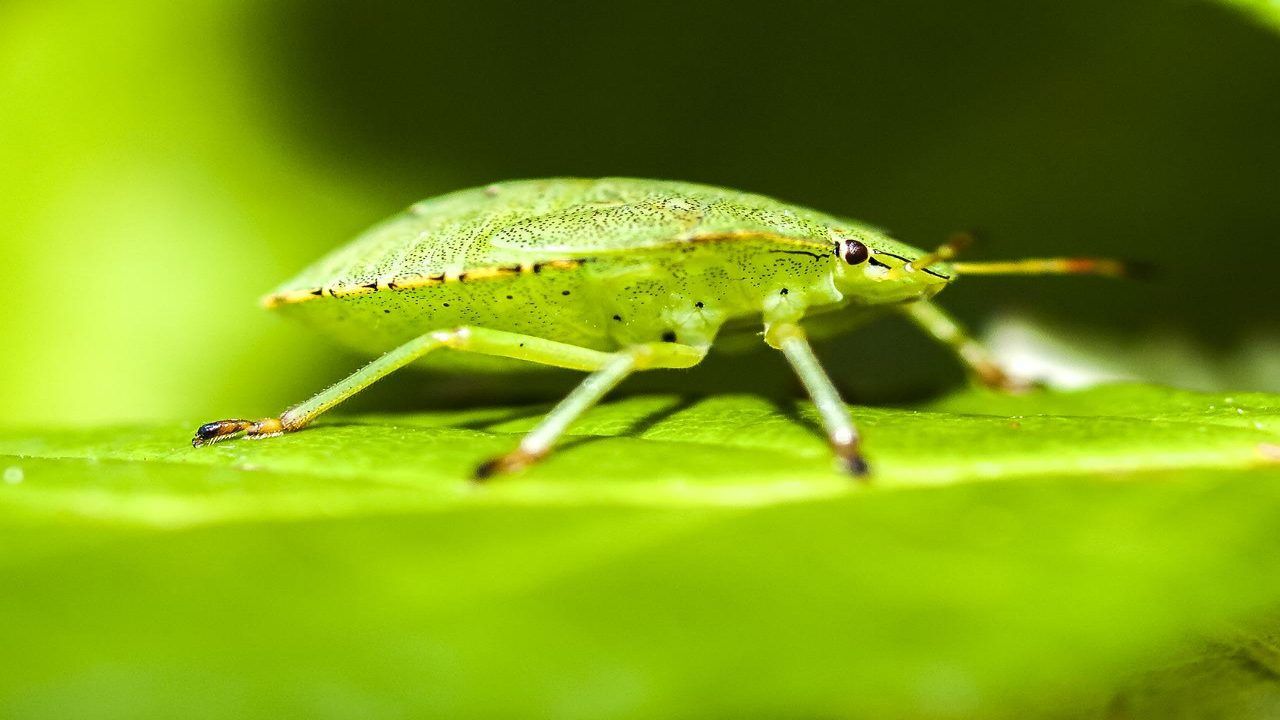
(882,270)
(878,269)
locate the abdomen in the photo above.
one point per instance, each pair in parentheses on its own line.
(546,304)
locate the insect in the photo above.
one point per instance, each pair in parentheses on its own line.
(614,276)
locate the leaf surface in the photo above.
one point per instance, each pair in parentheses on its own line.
(679,557)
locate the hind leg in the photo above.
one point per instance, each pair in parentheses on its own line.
(462,339)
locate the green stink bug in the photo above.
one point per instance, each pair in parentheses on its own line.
(613,276)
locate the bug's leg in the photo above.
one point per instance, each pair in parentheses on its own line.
(790,339)
(467,339)
(979,362)
(535,445)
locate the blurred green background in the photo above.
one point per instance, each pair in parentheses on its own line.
(163,164)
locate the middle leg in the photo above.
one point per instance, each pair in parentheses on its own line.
(535,446)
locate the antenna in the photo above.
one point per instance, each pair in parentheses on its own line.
(1105,267)
(947,250)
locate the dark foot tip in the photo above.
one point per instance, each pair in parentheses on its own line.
(504,464)
(856,466)
(486,470)
(219,430)
(210,430)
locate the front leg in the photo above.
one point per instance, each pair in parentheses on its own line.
(977,359)
(836,421)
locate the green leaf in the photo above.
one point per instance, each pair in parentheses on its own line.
(678,557)
(1237,676)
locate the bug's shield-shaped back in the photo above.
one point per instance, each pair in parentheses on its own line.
(604,228)
(595,229)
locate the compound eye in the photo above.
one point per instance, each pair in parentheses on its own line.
(855,252)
